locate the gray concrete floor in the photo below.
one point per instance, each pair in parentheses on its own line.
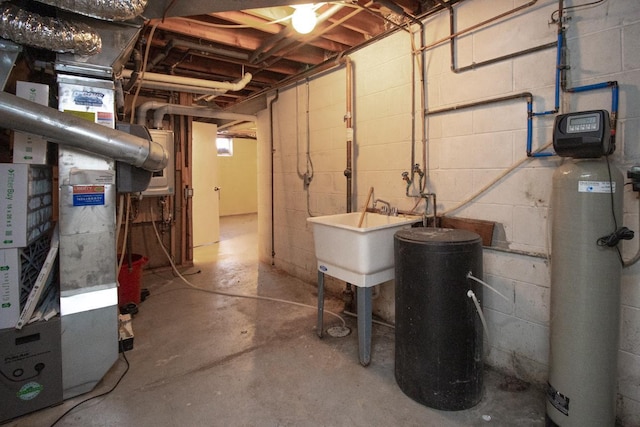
(201,359)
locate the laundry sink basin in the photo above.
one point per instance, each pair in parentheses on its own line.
(362,256)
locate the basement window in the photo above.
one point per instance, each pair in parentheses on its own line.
(225,146)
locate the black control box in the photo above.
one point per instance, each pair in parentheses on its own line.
(583,135)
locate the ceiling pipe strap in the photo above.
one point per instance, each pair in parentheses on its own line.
(66,129)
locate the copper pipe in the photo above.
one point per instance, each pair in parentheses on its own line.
(348,119)
(478,25)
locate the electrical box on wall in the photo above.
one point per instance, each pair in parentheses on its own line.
(163,182)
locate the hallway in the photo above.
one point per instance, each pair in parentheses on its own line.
(201,359)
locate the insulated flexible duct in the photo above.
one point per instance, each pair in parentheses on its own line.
(109,10)
(52,34)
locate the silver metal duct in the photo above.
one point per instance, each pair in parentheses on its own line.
(52,34)
(169,8)
(8,54)
(118,40)
(110,10)
(67,129)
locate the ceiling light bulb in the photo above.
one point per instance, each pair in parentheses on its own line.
(304,19)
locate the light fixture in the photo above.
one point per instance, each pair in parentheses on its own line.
(304,18)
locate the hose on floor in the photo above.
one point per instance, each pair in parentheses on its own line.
(230,294)
(127,366)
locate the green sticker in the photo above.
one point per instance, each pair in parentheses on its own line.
(29,391)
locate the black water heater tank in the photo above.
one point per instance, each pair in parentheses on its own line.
(438,353)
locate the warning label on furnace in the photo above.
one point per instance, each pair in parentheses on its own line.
(596,187)
(88,195)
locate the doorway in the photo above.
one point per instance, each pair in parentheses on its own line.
(206,201)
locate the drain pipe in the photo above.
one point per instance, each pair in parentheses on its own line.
(66,129)
(189,81)
(186,110)
(199,90)
(273,233)
(348,172)
(348,119)
(143,109)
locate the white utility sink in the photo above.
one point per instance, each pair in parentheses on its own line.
(362,256)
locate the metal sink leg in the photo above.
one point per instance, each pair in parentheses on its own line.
(364,325)
(320,302)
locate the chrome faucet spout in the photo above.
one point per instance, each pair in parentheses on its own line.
(385,209)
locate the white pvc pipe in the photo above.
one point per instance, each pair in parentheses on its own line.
(181,88)
(471,276)
(189,81)
(143,109)
(186,110)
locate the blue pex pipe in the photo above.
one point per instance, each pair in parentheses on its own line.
(530,114)
(614,97)
(590,87)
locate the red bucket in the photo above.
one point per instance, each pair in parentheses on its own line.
(129,280)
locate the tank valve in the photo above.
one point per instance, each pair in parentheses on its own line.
(405,177)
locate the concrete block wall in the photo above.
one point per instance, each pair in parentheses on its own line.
(466,150)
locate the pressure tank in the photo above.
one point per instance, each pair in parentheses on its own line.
(585,294)
(438,350)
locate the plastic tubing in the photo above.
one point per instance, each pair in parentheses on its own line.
(230,294)
(472,277)
(471,295)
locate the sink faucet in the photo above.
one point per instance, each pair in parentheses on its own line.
(386,208)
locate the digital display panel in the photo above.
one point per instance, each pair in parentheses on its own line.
(585,123)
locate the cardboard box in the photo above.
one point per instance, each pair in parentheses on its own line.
(9,287)
(125,329)
(34,92)
(26,204)
(13,205)
(29,148)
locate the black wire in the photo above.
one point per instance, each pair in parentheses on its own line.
(578,6)
(622,233)
(101,394)
(612,240)
(611,189)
